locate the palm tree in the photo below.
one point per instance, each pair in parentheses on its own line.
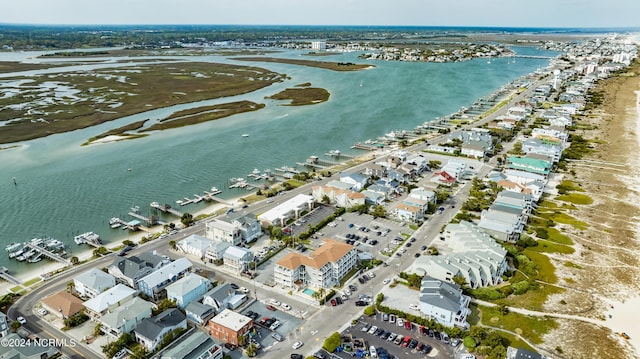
(74,260)
(321,293)
(172,245)
(71,286)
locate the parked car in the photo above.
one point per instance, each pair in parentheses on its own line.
(275,325)
(274,302)
(426,349)
(319,355)
(271,308)
(437,335)
(333,302)
(277,337)
(372,329)
(366,328)
(386,281)
(407,325)
(385,317)
(21,320)
(352,287)
(297,356)
(297,344)
(423,330)
(285,306)
(42,311)
(392,318)
(400,322)
(120,354)
(392,337)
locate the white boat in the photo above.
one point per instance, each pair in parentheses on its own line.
(18,253)
(115,222)
(179,202)
(255,171)
(245,135)
(86,238)
(214,189)
(13,247)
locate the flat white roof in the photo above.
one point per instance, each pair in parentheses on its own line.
(230,319)
(108,298)
(285,208)
(170,270)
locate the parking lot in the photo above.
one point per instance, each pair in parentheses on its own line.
(369,234)
(288,329)
(438,348)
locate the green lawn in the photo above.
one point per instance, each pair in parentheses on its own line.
(576,198)
(545,246)
(530,327)
(546,270)
(556,236)
(32,281)
(572,265)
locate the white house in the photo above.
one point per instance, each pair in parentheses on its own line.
(93,282)
(189,288)
(237,259)
(223,231)
(444,302)
(195,245)
(153,285)
(108,300)
(125,317)
(356,180)
(235,228)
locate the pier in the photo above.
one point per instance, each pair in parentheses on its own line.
(285,169)
(47,253)
(166,208)
(149,220)
(337,154)
(367,147)
(4,274)
(212,197)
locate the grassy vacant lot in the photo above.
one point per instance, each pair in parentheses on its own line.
(302,96)
(530,327)
(61,102)
(335,66)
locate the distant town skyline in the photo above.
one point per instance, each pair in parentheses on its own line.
(488,13)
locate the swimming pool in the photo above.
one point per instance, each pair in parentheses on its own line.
(308,291)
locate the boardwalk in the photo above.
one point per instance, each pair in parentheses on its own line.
(4,274)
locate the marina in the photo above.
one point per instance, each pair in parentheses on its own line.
(34,250)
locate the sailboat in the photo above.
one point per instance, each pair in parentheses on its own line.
(361,83)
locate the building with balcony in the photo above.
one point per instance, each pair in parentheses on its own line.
(444,303)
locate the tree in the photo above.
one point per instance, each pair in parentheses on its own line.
(128,242)
(459,280)
(172,245)
(15,325)
(251,350)
(332,342)
(379,211)
(71,286)
(74,260)
(325,199)
(187,219)
(369,310)
(97,330)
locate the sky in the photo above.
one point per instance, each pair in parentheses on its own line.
(485,13)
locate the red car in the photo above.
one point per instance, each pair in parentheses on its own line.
(333,302)
(406,341)
(271,308)
(407,325)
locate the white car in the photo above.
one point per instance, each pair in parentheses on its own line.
(347,292)
(275,325)
(297,345)
(42,311)
(274,302)
(372,329)
(21,320)
(372,275)
(243,290)
(400,322)
(386,281)
(414,306)
(285,306)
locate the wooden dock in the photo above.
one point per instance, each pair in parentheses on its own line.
(4,274)
(149,220)
(212,197)
(166,208)
(48,254)
(362,146)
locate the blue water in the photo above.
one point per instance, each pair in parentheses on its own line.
(308,291)
(64,189)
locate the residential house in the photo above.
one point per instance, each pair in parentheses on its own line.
(235,228)
(340,197)
(293,208)
(131,269)
(151,331)
(521,201)
(237,259)
(4,327)
(473,255)
(529,164)
(154,284)
(378,170)
(538,146)
(444,303)
(229,326)
(551,135)
(195,245)
(475,149)
(372,197)
(443,178)
(324,268)
(63,304)
(187,289)
(357,180)
(216,251)
(423,194)
(223,231)
(503,222)
(109,300)
(194,345)
(126,317)
(223,297)
(199,313)
(93,282)
(523,177)
(405,212)
(387,189)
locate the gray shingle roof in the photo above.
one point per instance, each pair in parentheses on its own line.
(154,326)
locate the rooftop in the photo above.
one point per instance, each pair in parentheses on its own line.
(330,251)
(230,319)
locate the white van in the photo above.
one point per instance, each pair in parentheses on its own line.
(373,352)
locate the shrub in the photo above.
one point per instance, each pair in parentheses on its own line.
(469,343)
(332,342)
